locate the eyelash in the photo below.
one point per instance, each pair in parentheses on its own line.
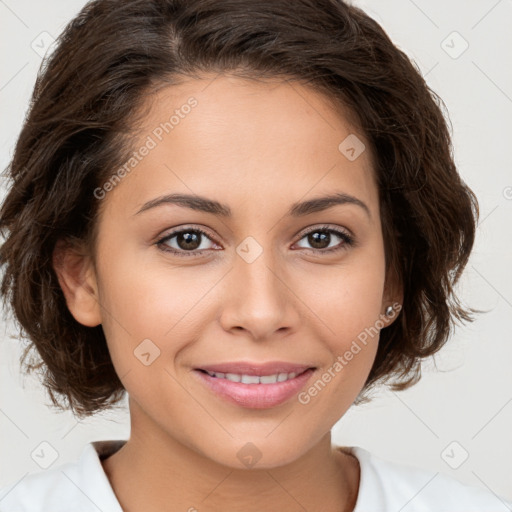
(347,241)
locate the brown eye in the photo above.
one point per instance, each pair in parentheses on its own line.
(186,242)
(321,239)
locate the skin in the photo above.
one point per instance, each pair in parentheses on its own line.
(257,147)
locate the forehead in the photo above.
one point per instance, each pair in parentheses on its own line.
(231,138)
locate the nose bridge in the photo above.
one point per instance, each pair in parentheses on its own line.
(255,273)
(258,299)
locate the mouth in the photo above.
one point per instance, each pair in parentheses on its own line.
(255,386)
(246,378)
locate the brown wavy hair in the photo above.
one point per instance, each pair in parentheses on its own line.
(81,122)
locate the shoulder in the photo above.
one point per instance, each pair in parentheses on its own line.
(386,485)
(81,485)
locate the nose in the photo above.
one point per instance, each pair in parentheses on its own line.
(257,299)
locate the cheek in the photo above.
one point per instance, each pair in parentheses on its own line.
(346,299)
(348,324)
(163,303)
(347,303)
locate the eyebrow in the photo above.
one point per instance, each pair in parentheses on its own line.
(298,209)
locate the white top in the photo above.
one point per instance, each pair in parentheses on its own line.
(385,486)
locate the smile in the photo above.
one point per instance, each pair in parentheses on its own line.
(254,379)
(254,391)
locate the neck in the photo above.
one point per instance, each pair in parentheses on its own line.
(153,470)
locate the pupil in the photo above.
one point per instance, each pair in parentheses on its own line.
(188,240)
(318,239)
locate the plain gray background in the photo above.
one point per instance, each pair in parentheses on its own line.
(458,419)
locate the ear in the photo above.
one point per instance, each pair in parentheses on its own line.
(77,278)
(393,296)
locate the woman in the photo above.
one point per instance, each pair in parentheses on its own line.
(245,215)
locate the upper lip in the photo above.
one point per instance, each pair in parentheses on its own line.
(247,368)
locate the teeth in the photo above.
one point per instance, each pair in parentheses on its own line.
(250,379)
(254,379)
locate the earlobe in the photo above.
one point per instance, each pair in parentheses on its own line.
(391,312)
(77,280)
(393,298)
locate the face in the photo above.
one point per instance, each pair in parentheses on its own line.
(253,286)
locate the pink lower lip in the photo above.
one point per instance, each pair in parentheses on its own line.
(255,396)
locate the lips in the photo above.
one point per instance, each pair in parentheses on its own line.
(256,386)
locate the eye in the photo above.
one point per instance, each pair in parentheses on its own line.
(321,239)
(193,241)
(185,242)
